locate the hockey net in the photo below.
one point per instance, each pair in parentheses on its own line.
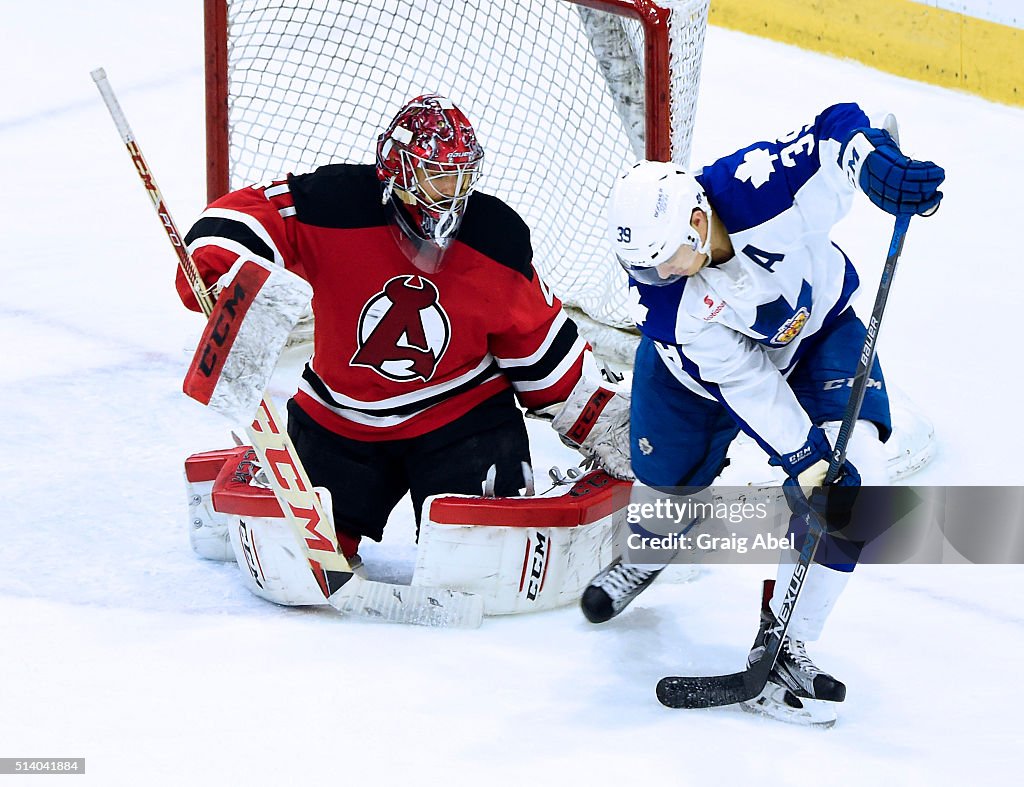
(563,94)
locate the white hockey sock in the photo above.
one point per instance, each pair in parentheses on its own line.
(820,591)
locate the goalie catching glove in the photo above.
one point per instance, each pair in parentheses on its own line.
(595,421)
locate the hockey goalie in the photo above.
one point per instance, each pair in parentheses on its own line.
(518,554)
(433,333)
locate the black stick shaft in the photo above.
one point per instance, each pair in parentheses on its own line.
(867,354)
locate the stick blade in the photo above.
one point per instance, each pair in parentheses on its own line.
(710,691)
(417,606)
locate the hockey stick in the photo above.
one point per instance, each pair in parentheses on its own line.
(713,690)
(342,589)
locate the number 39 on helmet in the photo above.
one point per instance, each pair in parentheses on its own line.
(649,218)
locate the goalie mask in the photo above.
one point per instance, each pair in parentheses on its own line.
(649,214)
(429,161)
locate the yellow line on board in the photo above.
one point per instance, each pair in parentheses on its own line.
(899,36)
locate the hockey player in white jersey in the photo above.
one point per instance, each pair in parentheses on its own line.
(743,302)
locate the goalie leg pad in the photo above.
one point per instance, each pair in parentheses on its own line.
(208,528)
(271,561)
(270,558)
(522,554)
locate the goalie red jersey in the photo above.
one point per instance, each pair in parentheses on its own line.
(398,353)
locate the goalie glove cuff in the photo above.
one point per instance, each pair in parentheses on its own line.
(595,421)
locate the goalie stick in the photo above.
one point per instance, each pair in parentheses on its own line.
(714,690)
(343,590)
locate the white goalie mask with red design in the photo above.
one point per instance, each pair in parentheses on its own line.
(429,162)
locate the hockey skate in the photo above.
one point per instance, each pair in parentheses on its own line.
(613,589)
(797,689)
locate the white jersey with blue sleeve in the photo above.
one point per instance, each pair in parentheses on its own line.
(733,331)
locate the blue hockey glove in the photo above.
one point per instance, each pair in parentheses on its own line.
(806,468)
(895,183)
(833,503)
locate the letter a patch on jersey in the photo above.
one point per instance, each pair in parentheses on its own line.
(403,331)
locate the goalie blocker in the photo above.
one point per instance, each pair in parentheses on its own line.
(246,332)
(519,554)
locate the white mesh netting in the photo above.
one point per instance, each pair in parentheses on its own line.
(312,82)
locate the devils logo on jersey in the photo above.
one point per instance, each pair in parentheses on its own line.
(403,331)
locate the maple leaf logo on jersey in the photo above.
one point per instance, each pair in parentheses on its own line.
(403,331)
(758,167)
(637,311)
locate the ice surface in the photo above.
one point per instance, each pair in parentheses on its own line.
(118,645)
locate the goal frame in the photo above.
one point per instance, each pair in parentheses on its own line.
(652,17)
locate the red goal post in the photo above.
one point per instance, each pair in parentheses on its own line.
(563,93)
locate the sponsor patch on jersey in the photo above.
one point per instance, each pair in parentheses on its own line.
(715,309)
(791,327)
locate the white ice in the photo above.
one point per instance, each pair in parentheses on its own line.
(118,645)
